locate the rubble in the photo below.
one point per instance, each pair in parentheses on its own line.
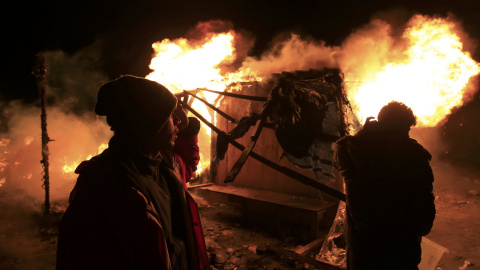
(473,192)
(466,264)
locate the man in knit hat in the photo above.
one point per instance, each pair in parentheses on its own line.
(128,209)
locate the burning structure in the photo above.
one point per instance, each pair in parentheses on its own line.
(298,123)
(427,68)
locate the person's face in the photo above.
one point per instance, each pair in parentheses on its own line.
(168,134)
(164,140)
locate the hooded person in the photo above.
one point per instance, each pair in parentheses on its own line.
(187,156)
(389,198)
(128,209)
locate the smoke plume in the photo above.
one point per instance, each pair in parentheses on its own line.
(72,82)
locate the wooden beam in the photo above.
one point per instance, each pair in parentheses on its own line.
(300,258)
(311,246)
(229,94)
(228,117)
(246,153)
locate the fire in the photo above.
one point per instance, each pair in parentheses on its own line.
(184,64)
(70,166)
(432,78)
(430,73)
(28,140)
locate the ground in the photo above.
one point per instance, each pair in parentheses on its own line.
(28,238)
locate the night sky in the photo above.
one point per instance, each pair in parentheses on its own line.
(128,29)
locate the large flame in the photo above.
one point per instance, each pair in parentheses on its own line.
(431,78)
(184,64)
(430,74)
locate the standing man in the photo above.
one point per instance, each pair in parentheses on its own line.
(128,209)
(388,181)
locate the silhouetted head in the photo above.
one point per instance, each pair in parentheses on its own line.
(396,116)
(136,108)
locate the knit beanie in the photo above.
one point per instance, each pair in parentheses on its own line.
(191,129)
(136,108)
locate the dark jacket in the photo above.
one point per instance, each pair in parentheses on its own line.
(390,205)
(127,211)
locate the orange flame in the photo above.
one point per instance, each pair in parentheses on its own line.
(70,166)
(430,74)
(432,78)
(28,140)
(183,64)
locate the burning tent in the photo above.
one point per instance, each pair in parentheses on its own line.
(303,114)
(290,144)
(300,114)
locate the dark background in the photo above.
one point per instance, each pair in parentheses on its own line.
(128,29)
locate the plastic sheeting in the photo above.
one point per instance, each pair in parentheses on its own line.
(333,250)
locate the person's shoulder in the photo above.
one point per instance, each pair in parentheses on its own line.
(98,175)
(418,149)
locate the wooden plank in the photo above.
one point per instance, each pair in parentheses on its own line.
(311,246)
(199,185)
(300,258)
(299,202)
(228,117)
(279,206)
(245,153)
(229,94)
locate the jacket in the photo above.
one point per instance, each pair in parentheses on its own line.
(187,157)
(389,198)
(127,211)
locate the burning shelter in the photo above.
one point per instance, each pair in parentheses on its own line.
(272,148)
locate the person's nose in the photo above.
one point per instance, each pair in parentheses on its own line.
(176,120)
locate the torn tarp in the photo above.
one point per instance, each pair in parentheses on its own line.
(242,127)
(297,109)
(305,109)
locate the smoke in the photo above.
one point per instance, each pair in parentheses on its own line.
(76,133)
(366,51)
(293,54)
(73,80)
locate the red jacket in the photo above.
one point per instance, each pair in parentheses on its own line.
(187,157)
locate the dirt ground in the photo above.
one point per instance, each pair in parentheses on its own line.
(28,238)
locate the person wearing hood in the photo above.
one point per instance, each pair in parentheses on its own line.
(186,155)
(389,192)
(129,207)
